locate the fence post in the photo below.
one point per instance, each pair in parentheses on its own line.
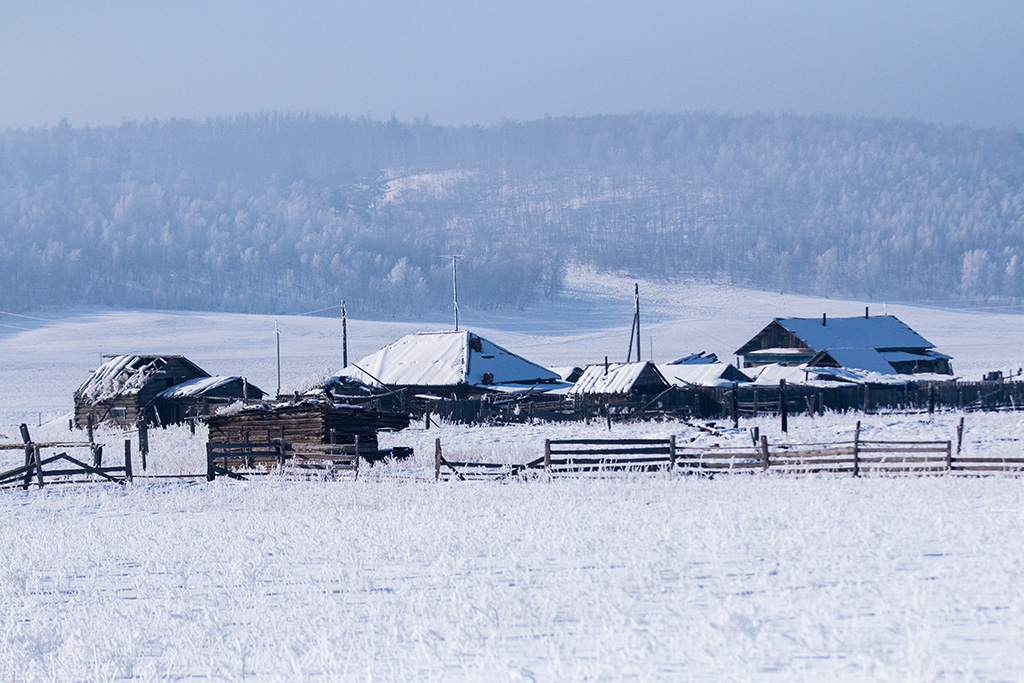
(143,441)
(97,455)
(735,407)
(426,418)
(931,398)
(547,454)
(949,456)
(783,408)
(866,396)
(88,426)
(26,438)
(608,415)
(856,450)
(672,453)
(765,464)
(128,459)
(437,459)
(210,473)
(39,465)
(359,448)
(959,435)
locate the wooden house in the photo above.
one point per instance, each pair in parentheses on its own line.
(619,382)
(159,389)
(451,365)
(308,420)
(880,345)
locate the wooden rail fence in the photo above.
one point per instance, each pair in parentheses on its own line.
(582,457)
(62,468)
(243,459)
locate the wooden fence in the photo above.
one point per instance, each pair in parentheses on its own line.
(62,468)
(582,457)
(740,400)
(243,459)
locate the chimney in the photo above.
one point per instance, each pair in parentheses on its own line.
(824,319)
(866,312)
(606,365)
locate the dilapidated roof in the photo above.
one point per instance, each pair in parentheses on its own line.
(446,359)
(615,378)
(125,375)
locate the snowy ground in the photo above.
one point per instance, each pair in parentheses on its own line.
(395,577)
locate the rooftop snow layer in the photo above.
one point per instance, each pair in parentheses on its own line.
(195,388)
(619,378)
(879,332)
(444,359)
(701,374)
(869,360)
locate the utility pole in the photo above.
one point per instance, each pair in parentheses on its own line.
(636,316)
(455,288)
(344,335)
(634,331)
(277,333)
(455,285)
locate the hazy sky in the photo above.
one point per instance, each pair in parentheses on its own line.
(102,62)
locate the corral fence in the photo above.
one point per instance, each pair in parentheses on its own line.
(733,402)
(583,457)
(243,459)
(61,468)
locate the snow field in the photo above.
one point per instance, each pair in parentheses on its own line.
(645,577)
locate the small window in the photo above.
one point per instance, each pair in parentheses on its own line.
(118,413)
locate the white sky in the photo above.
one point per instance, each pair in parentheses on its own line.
(102,62)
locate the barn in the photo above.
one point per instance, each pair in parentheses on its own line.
(882,345)
(159,389)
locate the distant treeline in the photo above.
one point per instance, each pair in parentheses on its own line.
(290,213)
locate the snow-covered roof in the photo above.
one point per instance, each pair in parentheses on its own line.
(444,359)
(878,332)
(858,359)
(125,375)
(196,388)
(619,378)
(701,374)
(771,374)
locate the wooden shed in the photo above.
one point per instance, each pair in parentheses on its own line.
(619,381)
(310,420)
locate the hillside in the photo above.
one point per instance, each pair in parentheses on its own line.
(282,214)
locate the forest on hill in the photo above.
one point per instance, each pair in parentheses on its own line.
(288,213)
